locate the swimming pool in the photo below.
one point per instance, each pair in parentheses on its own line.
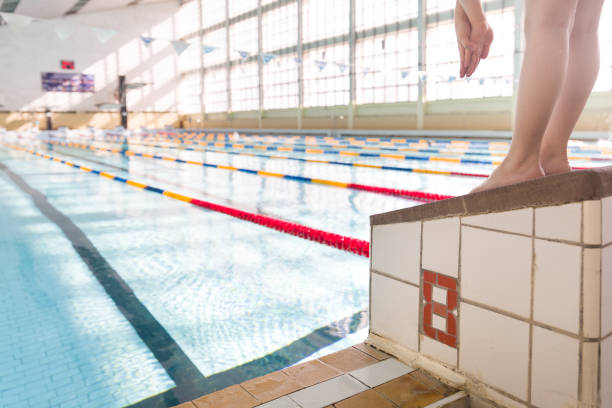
(115,296)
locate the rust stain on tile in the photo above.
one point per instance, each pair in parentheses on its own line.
(405,391)
(366,399)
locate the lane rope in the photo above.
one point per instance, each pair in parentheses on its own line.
(344,243)
(418,195)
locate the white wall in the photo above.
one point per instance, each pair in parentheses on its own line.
(28,51)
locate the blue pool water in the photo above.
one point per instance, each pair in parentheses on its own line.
(166,301)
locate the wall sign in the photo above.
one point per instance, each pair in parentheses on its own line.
(65,64)
(64,82)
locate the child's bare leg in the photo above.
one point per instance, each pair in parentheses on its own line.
(547,32)
(582,71)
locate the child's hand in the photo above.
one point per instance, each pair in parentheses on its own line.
(473,40)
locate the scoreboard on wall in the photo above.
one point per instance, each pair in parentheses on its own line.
(65,82)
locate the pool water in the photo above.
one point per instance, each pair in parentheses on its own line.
(113,296)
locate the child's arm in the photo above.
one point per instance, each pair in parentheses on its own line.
(474,11)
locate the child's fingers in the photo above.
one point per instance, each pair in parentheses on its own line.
(485,51)
(474,58)
(461,59)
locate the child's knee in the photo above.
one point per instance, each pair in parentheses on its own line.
(547,15)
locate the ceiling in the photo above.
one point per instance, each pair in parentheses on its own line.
(57,8)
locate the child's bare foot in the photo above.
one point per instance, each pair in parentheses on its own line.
(555,165)
(505,175)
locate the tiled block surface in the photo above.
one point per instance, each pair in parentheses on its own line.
(348,360)
(557,284)
(396,250)
(271,386)
(408,391)
(495,349)
(591,222)
(234,396)
(590,374)
(395,310)
(381,372)
(496,269)
(366,348)
(368,399)
(283,402)
(311,372)
(591,272)
(547,223)
(441,246)
(517,221)
(328,392)
(606,290)
(439,351)
(606,373)
(554,369)
(606,220)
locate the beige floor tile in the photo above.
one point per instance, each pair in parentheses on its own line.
(431,382)
(312,372)
(406,392)
(348,359)
(377,354)
(234,396)
(367,399)
(271,386)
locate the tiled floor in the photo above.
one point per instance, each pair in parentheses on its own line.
(357,377)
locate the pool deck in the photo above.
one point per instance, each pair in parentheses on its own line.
(357,377)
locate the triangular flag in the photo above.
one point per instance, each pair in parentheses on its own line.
(147,40)
(468,79)
(423,76)
(366,71)
(298,60)
(268,57)
(180,46)
(243,54)
(404,74)
(321,65)
(342,67)
(208,49)
(508,81)
(63,31)
(452,78)
(103,34)
(481,81)
(15,20)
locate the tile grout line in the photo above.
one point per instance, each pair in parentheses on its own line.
(531,310)
(459,291)
(579,391)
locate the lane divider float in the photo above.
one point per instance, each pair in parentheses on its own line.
(344,243)
(417,195)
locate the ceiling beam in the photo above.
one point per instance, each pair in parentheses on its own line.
(9,6)
(77,7)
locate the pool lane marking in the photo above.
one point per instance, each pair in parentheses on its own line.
(168,353)
(411,194)
(266,156)
(312,148)
(349,244)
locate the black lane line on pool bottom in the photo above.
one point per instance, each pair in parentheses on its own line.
(169,354)
(277,360)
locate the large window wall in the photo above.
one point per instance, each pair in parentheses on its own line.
(259,55)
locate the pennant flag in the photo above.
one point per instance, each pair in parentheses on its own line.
(342,67)
(298,60)
(243,54)
(481,81)
(15,20)
(63,31)
(147,40)
(366,71)
(321,65)
(179,46)
(268,57)
(468,79)
(103,34)
(404,74)
(208,49)
(452,78)
(508,81)
(423,76)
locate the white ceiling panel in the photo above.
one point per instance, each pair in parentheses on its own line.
(99,5)
(44,8)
